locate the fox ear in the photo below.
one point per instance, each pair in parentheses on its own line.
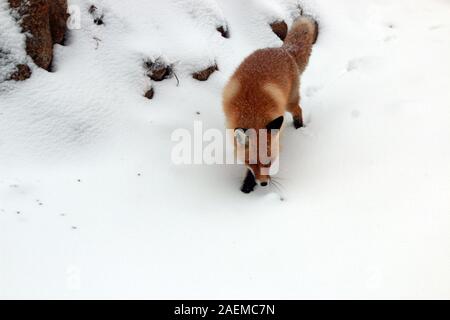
(240,135)
(275,124)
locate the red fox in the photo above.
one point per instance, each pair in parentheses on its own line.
(263,88)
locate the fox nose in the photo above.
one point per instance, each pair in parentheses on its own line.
(263,184)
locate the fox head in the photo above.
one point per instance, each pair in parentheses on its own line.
(259,149)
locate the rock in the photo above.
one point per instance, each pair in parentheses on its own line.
(23,72)
(35,22)
(44,22)
(98,21)
(12,67)
(158,70)
(58,20)
(280,28)
(224,31)
(97,15)
(149,94)
(205,74)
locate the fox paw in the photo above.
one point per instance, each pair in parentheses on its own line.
(247,189)
(298,123)
(249,183)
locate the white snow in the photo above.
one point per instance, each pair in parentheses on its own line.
(91,205)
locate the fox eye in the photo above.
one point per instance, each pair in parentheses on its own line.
(275,124)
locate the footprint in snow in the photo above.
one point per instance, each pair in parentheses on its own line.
(366,62)
(355,114)
(354,64)
(312,90)
(436,27)
(390,38)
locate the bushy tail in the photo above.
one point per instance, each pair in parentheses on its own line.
(300,39)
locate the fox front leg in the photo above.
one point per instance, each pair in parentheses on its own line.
(297,115)
(249,183)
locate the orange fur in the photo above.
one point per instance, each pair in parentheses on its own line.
(266,84)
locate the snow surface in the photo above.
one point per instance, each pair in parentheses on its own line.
(91,205)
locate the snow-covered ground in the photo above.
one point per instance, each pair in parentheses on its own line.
(91,205)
